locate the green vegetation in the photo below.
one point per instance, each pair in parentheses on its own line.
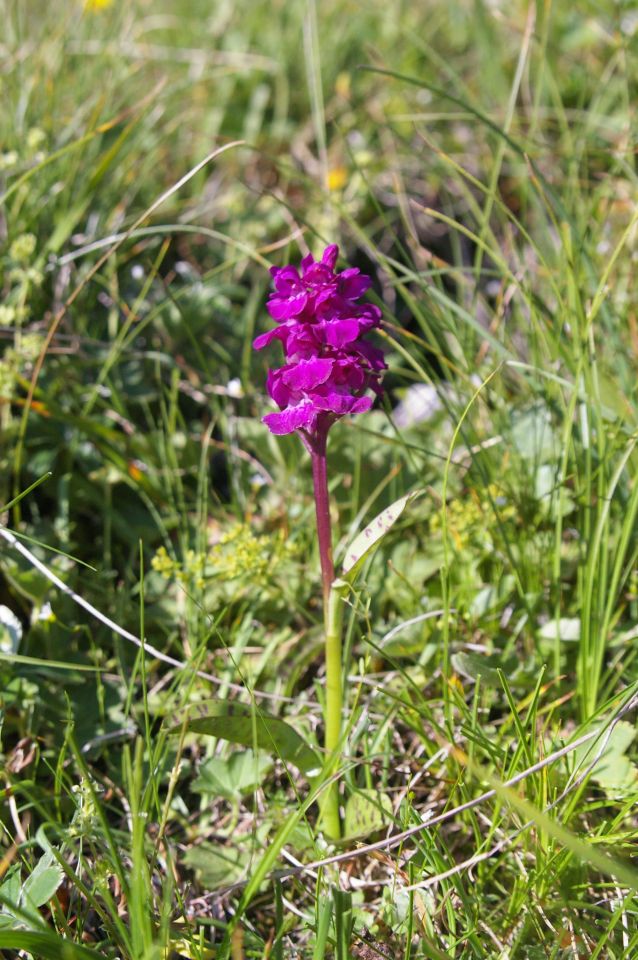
(159,798)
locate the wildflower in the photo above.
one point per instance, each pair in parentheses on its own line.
(8,159)
(7,315)
(328,372)
(163,563)
(35,137)
(330,367)
(22,247)
(337,178)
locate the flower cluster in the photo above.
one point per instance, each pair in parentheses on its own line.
(329,366)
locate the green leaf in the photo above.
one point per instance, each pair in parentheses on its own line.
(473,666)
(44,946)
(43,882)
(369,538)
(613,771)
(553,499)
(490,599)
(245,724)
(240,773)
(10,887)
(534,435)
(217,866)
(367,811)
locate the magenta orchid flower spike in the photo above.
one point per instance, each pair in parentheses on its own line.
(329,370)
(329,366)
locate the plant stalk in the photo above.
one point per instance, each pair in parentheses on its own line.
(333,616)
(322,509)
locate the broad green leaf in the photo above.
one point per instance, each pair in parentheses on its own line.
(534,435)
(554,499)
(490,598)
(240,773)
(369,538)
(217,866)
(473,666)
(43,882)
(366,812)
(242,723)
(613,771)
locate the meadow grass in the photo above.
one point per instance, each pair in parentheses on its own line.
(158,546)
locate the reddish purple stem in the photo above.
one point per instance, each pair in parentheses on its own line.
(317,448)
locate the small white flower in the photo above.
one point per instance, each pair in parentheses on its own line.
(233,388)
(45,612)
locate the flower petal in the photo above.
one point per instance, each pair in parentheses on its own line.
(277,333)
(330,256)
(303,416)
(285,308)
(342,403)
(339,332)
(307,374)
(353,284)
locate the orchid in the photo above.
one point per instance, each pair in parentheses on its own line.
(329,372)
(329,366)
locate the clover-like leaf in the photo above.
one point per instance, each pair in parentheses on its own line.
(232,776)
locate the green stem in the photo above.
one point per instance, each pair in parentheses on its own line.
(334,705)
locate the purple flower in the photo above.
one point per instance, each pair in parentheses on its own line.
(329,366)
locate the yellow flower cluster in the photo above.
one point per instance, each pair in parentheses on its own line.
(22,248)
(164,564)
(466,518)
(238,554)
